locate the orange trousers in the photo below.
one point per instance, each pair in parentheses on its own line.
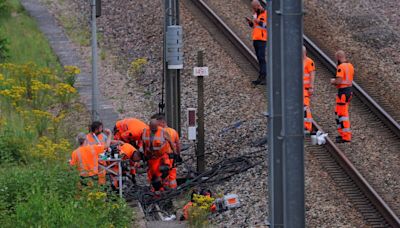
(307,113)
(153,171)
(342,115)
(172,176)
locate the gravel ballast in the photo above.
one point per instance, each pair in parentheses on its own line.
(133,29)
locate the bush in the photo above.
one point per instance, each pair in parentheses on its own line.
(5,8)
(46,195)
(200,210)
(4,51)
(11,149)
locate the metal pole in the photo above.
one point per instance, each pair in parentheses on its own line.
(178,77)
(95,85)
(275,144)
(293,125)
(200,121)
(172,76)
(120,177)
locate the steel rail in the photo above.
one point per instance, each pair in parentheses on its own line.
(383,208)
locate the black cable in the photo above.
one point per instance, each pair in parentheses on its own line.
(161,105)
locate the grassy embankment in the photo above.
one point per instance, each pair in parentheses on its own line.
(39,116)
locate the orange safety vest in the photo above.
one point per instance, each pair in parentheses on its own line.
(86,158)
(174,136)
(345,71)
(155,146)
(94,139)
(309,67)
(260,30)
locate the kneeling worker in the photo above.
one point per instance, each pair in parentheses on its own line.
(157,144)
(86,157)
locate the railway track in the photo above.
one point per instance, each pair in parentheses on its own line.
(366,199)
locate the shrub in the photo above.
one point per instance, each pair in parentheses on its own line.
(4,51)
(5,8)
(46,195)
(200,210)
(11,149)
(70,73)
(136,68)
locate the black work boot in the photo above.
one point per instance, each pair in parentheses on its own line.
(260,81)
(339,139)
(256,82)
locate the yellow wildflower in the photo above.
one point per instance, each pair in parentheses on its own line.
(71,70)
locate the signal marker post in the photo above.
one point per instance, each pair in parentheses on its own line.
(200,72)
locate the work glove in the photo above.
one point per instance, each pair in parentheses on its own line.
(178,159)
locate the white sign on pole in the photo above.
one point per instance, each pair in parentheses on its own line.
(200,71)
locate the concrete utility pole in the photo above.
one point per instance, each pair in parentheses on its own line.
(293,117)
(95,84)
(173,63)
(275,142)
(286,133)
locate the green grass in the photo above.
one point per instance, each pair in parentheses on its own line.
(26,42)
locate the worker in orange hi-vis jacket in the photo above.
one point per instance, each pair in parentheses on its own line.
(308,87)
(157,144)
(86,157)
(130,131)
(174,157)
(343,82)
(259,37)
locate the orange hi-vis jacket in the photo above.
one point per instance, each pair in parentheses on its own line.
(174,136)
(309,67)
(260,28)
(130,129)
(155,145)
(93,139)
(86,158)
(345,71)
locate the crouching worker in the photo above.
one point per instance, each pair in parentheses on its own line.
(128,154)
(86,158)
(174,158)
(130,131)
(156,146)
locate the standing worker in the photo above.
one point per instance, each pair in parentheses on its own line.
(86,157)
(308,87)
(156,146)
(259,36)
(344,83)
(174,157)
